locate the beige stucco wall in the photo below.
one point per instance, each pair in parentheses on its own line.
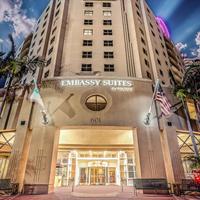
(124,109)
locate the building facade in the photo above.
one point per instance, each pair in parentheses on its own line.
(102,59)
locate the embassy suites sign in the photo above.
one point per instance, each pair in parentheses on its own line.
(115,84)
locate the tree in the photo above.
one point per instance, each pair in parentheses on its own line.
(14,69)
(189,88)
(195,162)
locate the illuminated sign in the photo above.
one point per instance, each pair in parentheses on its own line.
(96,82)
(115,85)
(97,164)
(163,27)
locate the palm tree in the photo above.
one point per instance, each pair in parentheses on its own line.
(188,89)
(14,69)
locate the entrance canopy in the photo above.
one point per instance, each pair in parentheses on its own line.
(95,156)
(96,138)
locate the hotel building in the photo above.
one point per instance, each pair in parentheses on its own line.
(103,56)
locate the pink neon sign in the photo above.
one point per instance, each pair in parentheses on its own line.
(163,27)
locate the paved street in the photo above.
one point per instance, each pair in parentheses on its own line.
(94,192)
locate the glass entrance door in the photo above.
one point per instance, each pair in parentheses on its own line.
(97,176)
(111,175)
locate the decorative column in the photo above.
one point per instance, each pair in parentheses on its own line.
(172,156)
(148,152)
(19,156)
(41,164)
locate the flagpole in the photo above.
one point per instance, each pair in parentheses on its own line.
(147,119)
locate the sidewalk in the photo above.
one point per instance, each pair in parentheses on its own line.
(96,193)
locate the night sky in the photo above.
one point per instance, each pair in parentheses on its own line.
(182,17)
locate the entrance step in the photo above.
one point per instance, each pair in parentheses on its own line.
(102,192)
(90,195)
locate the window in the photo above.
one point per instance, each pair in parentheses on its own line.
(143,41)
(33,44)
(107,32)
(146,62)
(164,54)
(148,75)
(153,33)
(163,82)
(88,12)
(107,13)
(87,32)
(47,9)
(108,43)
(96,103)
(58,5)
(50,50)
(109,68)
(35,36)
(37,29)
(42,32)
(142,31)
(161,72)
(86,67)
(166,62)
(46,74)
(156,51)
(44,24)
(140,21)
(145,51)
(52,40)
(40,41)
(162,45)
(38,50)
(137,5)
(49,61)
(160,37)
(46,16)
(87,42)
(106,4)
(57,13)
(108,54)
(88,4)
(151,25)
(87,54)
(138,14)
(107,22)
(158,61)
(54,30)
(88,22)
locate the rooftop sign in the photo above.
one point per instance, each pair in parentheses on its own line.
(163,27)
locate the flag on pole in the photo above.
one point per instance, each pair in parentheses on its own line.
(35,97)
(147,120)
(165,105)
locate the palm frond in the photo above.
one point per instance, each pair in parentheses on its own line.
(2,54)
(13,48)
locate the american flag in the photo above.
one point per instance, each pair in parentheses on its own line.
(165,105)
